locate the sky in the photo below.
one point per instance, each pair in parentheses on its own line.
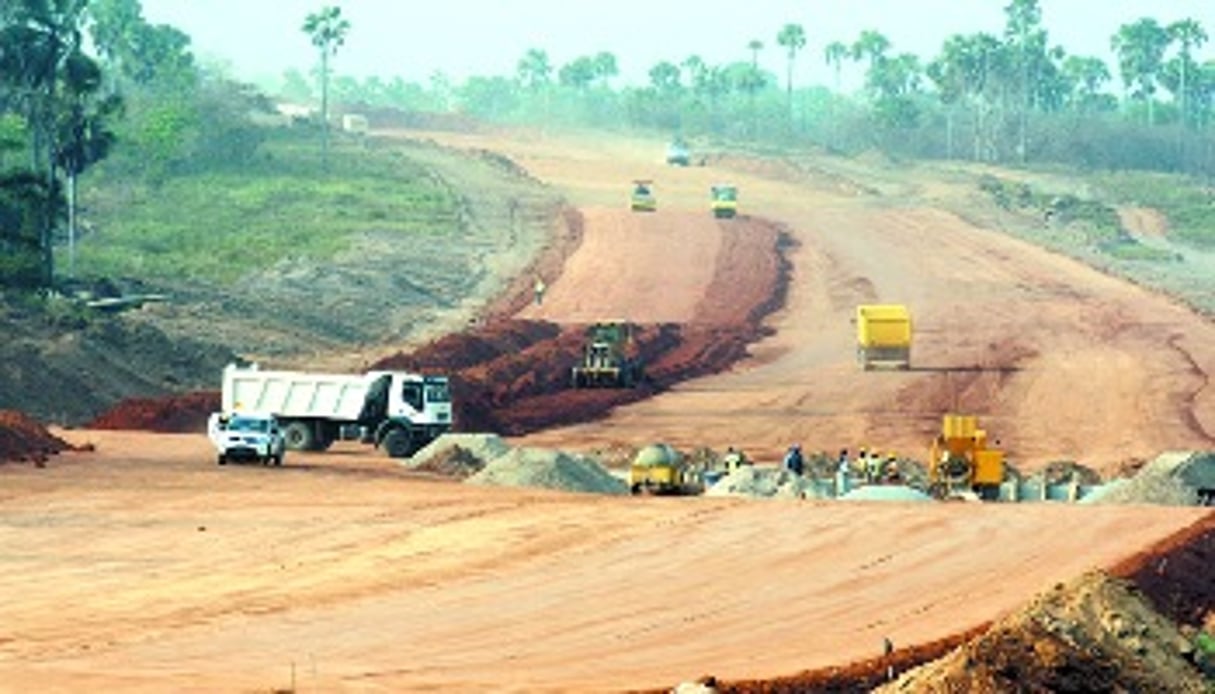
(258,40)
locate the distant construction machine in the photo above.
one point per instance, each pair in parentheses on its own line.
(608,359)
(660,469)
(961,465)
(642,198)
(724,200)
(883,336)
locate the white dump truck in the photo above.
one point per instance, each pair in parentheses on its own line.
(398,411)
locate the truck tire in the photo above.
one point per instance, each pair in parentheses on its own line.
(299,436)
(398,443)
(222,460)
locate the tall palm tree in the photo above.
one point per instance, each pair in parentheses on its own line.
(327,29)
(755,46)
(834,55)
(793,38)
(1140,48)
(534,68)
(1190,35)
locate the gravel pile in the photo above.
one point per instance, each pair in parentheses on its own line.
(541,467)
(771,482)
(885,492)
(482,447)
(1172,479)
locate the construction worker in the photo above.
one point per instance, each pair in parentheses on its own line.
(794,462)
(890,473)
(540,287)
(873,467)
(733,459)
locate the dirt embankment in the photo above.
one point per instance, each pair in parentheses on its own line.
(512,376)
(24,439)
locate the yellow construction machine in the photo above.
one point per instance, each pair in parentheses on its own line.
(961,465)
(883,336)
(642,198)
(723,200)
(660,469)
(609,358)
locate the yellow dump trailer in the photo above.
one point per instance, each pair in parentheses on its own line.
(883,336)
(960,461)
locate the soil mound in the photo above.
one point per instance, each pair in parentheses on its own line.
(173,414)
(1095,633)
(886,492)
(23,439)
(539,467)
(457,455)
(764,482)
(1175,574)
(1172,479)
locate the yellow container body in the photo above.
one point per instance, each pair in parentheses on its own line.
(883,325)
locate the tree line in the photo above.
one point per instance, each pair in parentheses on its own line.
(1006,95)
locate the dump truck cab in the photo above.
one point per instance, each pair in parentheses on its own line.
(723,200)
(642,198)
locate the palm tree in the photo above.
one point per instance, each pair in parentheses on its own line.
(1140,48)
(327,29)
(753,81)
(534,68)
(1190,35)
(793,38)
(834,55)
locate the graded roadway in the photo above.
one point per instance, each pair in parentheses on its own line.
(143,566)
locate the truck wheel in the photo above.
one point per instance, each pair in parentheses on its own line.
(299,436)
(222,460)
(398,443)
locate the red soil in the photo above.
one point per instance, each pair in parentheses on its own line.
(170,414)
(22,439)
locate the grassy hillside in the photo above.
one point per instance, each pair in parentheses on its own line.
(216,226)
(1188,204)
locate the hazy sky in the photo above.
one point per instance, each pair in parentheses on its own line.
(262,38)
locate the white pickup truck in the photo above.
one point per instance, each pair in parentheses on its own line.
(246,437)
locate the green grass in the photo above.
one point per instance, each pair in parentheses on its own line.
(218,226)
(1188,204)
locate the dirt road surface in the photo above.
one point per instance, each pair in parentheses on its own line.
(1060,361)
(141,566)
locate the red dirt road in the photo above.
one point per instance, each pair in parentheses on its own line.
(142,567)
(1059,361)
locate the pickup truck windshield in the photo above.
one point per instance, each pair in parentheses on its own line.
(242,424)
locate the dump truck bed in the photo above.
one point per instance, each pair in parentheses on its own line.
(883,334)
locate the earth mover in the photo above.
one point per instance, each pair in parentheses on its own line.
(960,465)
(607,358)
(723,201)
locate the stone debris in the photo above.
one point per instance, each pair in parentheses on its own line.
(482,447)
(549,469)
(1095,633)
(764,481)
(886,492)
(1172,479)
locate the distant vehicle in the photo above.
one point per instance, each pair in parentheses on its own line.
(678,154)
(660,469)
(960,463)
(883,336)
(724,201)
(246,437)
(608,359)
(642,198)
(398,411)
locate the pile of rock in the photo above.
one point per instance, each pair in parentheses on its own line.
(1172,479)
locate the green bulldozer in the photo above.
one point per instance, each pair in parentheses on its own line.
(608,359)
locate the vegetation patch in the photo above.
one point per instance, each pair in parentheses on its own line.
(1189,204)
(219,225)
